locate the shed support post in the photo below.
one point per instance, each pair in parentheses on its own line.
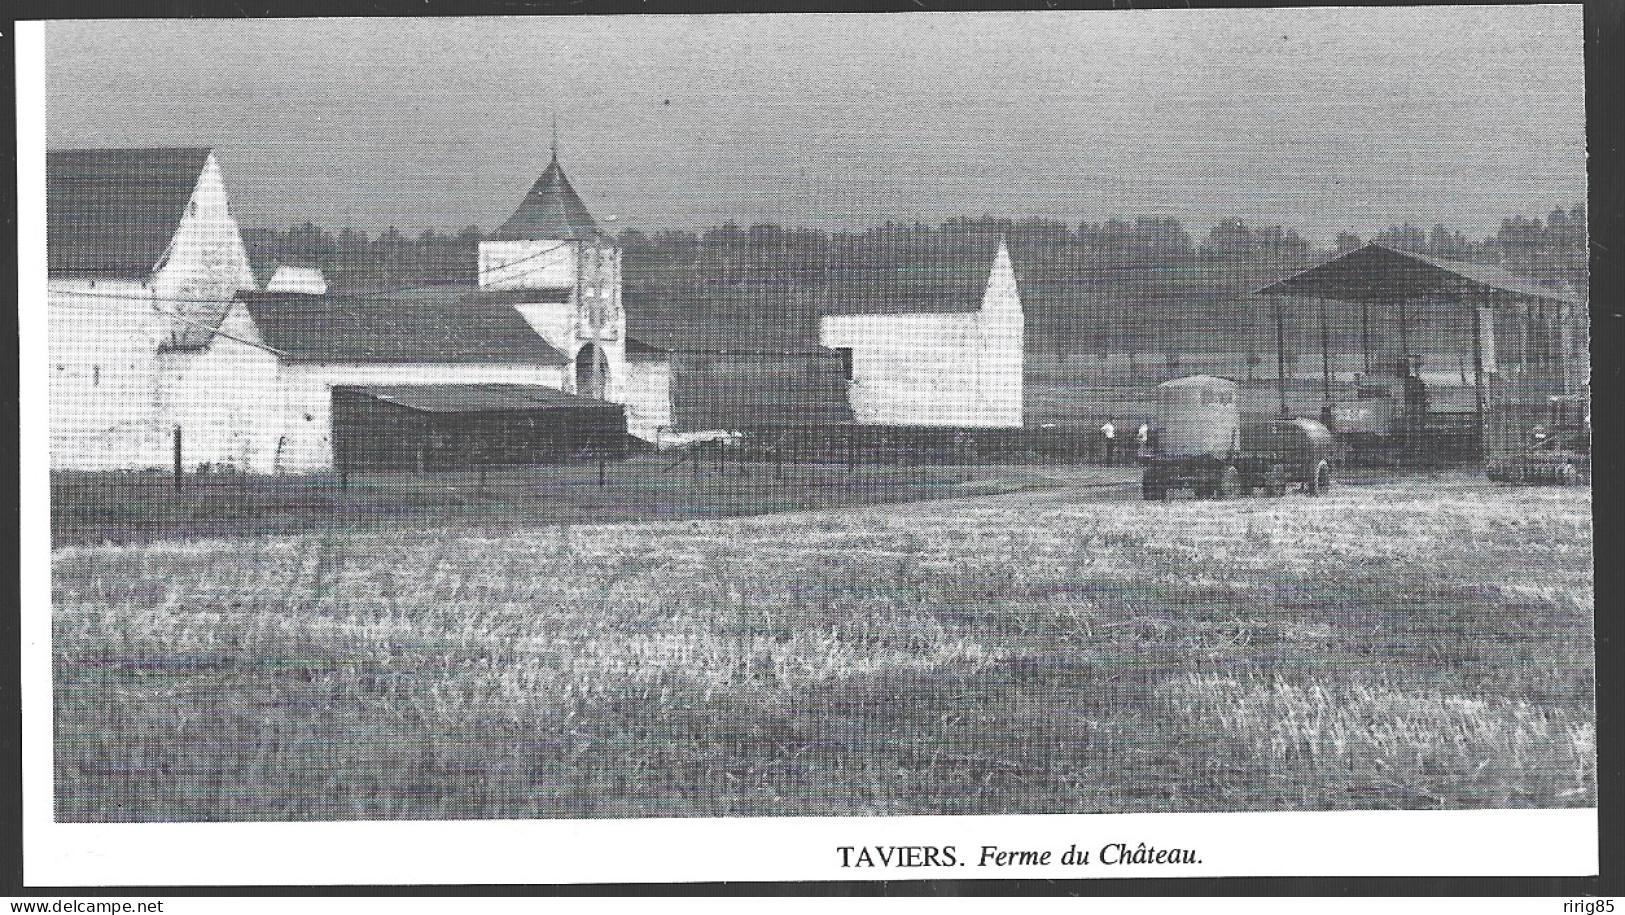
(1478,372)
(1325,354)
(1404,333)
(1365,335)
(1280,356)
(177,458)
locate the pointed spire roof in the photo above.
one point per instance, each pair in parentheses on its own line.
(551,210)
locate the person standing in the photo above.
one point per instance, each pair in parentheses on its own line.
(1108,438)
(1142,440)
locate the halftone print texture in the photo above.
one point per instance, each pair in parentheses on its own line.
(982,414)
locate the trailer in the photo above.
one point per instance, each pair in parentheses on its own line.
(1198,442)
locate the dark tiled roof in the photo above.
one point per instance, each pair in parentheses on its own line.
(327,328)
(872,277)
(113,211)
(479,398)
(447,293)
(638,349)
(550,211)
(738,391)
(1378,272)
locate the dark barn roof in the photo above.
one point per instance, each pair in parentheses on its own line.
(738,391)
(112,212)
(871,277)
(478,398)
(450,293)
(551,210)
(1376,272)
(639,349)
(460,329)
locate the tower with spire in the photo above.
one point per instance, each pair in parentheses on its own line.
(552,254)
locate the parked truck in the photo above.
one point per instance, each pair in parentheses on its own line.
(1198,442)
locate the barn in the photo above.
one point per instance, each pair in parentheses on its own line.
(159,336)
(938,342)
(144,257)
(277,358)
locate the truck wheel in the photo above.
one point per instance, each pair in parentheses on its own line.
(1320,480)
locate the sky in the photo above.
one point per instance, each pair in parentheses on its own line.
(1320,119)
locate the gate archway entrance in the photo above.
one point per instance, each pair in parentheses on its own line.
(592,371)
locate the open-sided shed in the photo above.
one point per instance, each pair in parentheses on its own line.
(458,426)
(1529,341)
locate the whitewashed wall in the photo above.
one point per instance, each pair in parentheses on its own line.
(102,339)
(226,399)
(307,280)
(938,369)
(528,264)
(554,321)
(648,397)
(206,261)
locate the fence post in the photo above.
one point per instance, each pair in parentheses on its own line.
(177,458)
(601,479)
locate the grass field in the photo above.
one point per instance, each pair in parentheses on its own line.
(1422,643)
(127,507)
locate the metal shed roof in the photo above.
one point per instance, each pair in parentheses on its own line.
(478,398)
(1377,272)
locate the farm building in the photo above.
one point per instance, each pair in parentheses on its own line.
(157,333)
(931,345)
(1529,341)
(564,276)
(144,257)
(277,358)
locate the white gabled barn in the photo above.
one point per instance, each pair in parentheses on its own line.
(957,361)
(144,255)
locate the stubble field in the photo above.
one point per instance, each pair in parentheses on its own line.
(1423,643)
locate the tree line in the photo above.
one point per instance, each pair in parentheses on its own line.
(1144,285)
